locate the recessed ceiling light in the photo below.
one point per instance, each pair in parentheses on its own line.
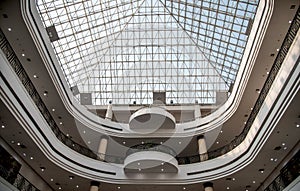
(77,186)
(140,169)
(18,144)
(60,123)
(45,93)
(119,187)
(23,54)
(12,142)
(161,143)
(227,188)
(283,144)
(24,154)
(251,108)
(162,169)
(261,170)
(272,159)
(217,142)
(84,132)
(253,181)
(53,109)
(183,188)
(297,125)
(59,188)
(35,76)
(71,177)
(31,158)
(2,126)
(245,122)
(51,180)
(9,29)
(124,142)
(275,159)
(138,164)
(284,148)
(68,135)
(143,142)
(89,142)
(233,179)
(179,142)
(221,131)
(42,169)
(162,163)
(290,21)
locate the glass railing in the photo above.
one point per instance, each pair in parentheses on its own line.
(25,80)
(288,174)
(17,180)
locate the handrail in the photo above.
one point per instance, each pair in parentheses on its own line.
(288,174)
(25,80)
(17,180)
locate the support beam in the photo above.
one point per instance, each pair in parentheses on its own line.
(202,148)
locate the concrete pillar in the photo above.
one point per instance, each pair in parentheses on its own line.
(102,148)
(197,111)
(109,112)
(94,186)
(202,148)
(208,186)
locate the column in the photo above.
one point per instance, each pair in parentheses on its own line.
(94,186)
(202,148)
(197,111)
(208,186)
(102,148)
(109,112)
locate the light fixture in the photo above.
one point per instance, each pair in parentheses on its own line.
(183,188)
(59,188)
(217,142)
(140,169)
(24,154)
(83,132)
(53,109)
(221,131)
(253,181)
(179,142)
(77,186)
(290,21)
(23,54)
(18,144)
(89,142)
(60,123)
(162,169)
(297,125)
(42,169)
(233,179)
(261,170)
(68,135)
(277,49)
(119,187)
(31,158)
(35,76)
(9,29)
(138,164)
(162,163)
(124,142)
(12,142)
(143,142)
(71,177)
(51,180)
(284,148)
(2,126)
(283,144)
(227,188)
(45,93)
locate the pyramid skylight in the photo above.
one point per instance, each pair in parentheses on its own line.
(124,51)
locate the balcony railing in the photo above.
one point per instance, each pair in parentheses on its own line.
(288,174)
(25,80)
(151,147)
(17,180)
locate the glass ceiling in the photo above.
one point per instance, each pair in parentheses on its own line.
(124,50)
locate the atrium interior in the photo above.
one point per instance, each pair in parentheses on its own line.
(149,95)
